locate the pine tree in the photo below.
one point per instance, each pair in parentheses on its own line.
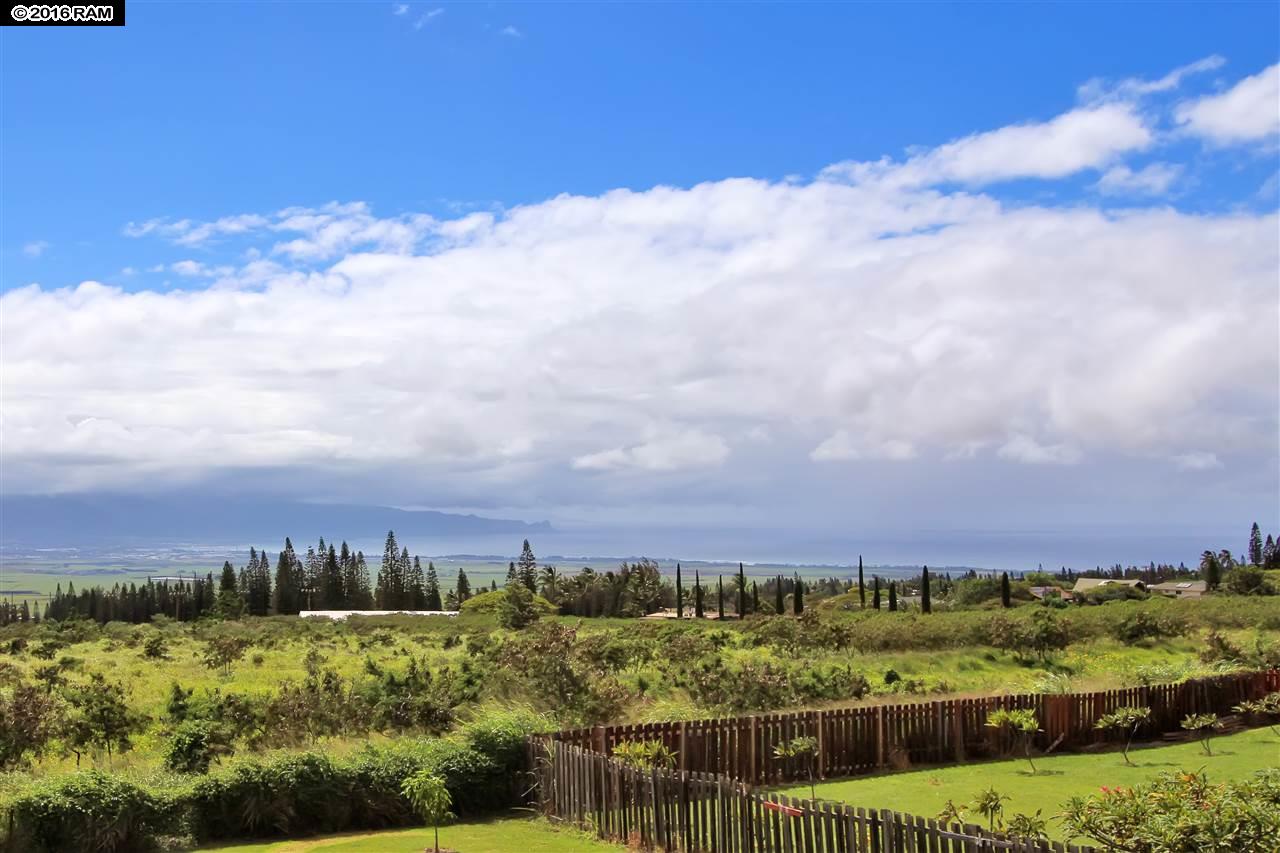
(527,569)
(432,590)
(512,577)
(1211,569)
(862,588)
(1269,554)
(779,602)
(1006,595)
(463,589)
(797,600)
(1255,545)
(893,597)
(755,598)
(926,600)
(720,596)
(697,595)
(417,592)
(230,605)
(332,596)
(362,599)
(350,584)
(742,592)
(679,594)
(875,589)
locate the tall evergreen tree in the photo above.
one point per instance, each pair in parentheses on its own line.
(679,594)
(230,604)
(926,600)
(1211,569)
(463,589)
(720,597)
(742,592)
(755,598)
(1255,545)
(417,592)
(862,588)
(385,593)
(512,577)
(362,599)
(893,597)
(797,598)
(332,595)
(527,570)
(697,596)
(779,600)
(875,591)
(1006,594)
(432,590)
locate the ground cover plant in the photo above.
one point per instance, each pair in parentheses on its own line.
(929,791)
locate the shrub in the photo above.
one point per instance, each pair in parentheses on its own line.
(1181,812)
(491,602)
(195,745)
(1127,720)
(88,812)
(645,754)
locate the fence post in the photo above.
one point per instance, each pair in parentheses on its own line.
(822,752)
(879,736)
(755,738)
(683,746)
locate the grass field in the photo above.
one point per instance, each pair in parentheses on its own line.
(1057,778)
(495,836)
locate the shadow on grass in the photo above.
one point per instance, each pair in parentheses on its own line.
(1041,772)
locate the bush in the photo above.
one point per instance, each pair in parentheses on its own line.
(491,602)
(195,745)
(88,812)
(1182,812)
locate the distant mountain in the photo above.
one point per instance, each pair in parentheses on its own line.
(68,520)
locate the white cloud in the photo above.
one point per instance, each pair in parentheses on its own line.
(426,18)
(1248,111)
(1197,461)
(1154,179)
(1084,138)
(510,30)
(691,449)
(35,248)
(571,343)
(399,8)
(1099,89)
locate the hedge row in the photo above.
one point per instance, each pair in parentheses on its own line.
(291,795)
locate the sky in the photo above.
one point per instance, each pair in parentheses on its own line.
(796,267)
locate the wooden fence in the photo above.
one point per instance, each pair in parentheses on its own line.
(695,812)
(853,741)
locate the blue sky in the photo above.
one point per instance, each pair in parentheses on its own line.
(204,109)
(825,266)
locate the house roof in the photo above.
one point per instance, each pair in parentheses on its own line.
(1181,586)
(1086,584)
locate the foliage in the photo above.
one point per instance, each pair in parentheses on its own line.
(430,798)
(803,748)
(98,716)
(1127,719)
(1268,707)
(645,754)
(29,719)
(990,804)
(1181,812)
(492,602)
(195,745)
(517,609)
(88,812)
(1248,580)
(1022,722)
(1203,725)
(222,650)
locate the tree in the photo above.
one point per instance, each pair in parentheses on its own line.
(742,592)
(797,597)
(517,608)
(527,569)
(679,594)
(1210,569)
(430,798)
(417,591)
(222,650)
(432,592)
(31,719)
(720,597)
(390,583)
(926,601)
(755,598)
(862,587)
(100,717)
(697,595)
(805,748)
(1255,545)
(893,597)
(779,601)
(463,589)
(1202,725)
(332,595)
(1021,722)
(230,604)
(1006,594)
(875,591)
(1128,720)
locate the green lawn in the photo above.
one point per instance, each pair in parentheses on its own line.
(925,792)
(495,836)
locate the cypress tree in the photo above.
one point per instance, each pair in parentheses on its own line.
(720,596)
(893,597)
(528,568)
(926,600)
(797,599)
(1006,595)
(679,594)
(875,588)
(755,598)
(697,595)
(779,602)
(862,587)
(432,590)
(742,592)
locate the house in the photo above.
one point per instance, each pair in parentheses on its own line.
(1181,589)
(1042,592)
(1092,584)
